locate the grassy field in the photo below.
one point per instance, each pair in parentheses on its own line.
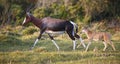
(15,49)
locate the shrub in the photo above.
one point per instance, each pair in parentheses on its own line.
(29,30)
(9,40)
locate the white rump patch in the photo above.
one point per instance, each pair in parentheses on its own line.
(72,23)
(73,32)
(24,21)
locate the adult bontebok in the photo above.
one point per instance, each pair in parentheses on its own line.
(51,25)
(97,36)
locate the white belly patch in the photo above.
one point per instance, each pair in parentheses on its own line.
(55,32)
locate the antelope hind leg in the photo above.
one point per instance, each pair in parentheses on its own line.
(112,45)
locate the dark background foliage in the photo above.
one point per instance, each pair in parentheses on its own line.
(12,12)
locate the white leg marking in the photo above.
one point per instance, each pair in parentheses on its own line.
(88,46)
(82,43)
(55,44)
(74,44)
(35,43)
(24,21)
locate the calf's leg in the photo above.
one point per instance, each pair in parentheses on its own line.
(78,37)
(112,45)
(105,46)
(88,46)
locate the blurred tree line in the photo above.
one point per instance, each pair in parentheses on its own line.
(12,12)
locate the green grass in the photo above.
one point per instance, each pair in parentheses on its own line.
(35,57)
(15,49)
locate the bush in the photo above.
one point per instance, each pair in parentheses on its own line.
(29,30)
(9,40)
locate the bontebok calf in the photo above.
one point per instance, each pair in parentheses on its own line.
(97,36)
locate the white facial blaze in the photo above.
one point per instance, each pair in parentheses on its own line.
(24,21)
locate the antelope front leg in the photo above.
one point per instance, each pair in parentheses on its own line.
(82,42)
(34,44)
(36,41)
(88,46)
